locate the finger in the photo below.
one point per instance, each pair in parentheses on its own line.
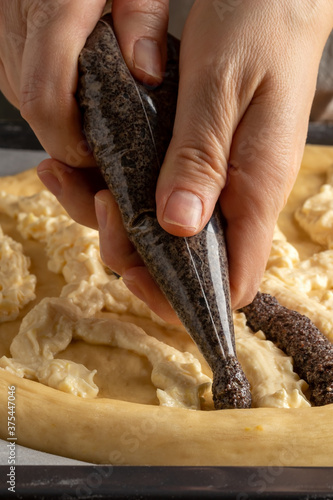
(195,165)
(57,32)
(117,251)
(119,254)
(141,29)
(264,160)
(74,188)
(139,281)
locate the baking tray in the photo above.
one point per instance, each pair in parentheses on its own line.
(320,134)
(19,149)
(119,482)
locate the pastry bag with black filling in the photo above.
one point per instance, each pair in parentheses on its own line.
(128,127)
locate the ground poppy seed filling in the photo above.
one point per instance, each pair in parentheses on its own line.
(129,126)
(298,337)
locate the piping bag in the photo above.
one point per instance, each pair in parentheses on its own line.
(128,127)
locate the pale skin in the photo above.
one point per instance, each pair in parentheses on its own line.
(248,72)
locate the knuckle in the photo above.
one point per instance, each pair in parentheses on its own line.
(32,98)
(42,103)
(202,166)
(157,9)
(151,13)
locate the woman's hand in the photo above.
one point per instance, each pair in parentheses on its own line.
(247,81)
(248,72)
(40,42)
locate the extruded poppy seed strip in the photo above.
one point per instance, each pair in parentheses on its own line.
(298,337)
(128,127)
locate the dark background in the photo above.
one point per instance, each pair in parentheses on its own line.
(15,132)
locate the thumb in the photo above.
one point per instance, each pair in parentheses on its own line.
(141,29)
(195,166)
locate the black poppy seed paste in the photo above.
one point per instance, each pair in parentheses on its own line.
(298,337)
(129,127)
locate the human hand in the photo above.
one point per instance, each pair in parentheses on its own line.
(248,72)
(39,47)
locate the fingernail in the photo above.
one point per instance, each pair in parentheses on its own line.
(101,212)
(147,57)
(134,287)
(52,181)
(183,209)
